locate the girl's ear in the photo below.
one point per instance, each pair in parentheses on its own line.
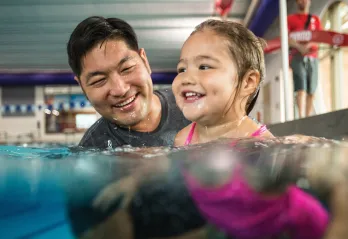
(251,81)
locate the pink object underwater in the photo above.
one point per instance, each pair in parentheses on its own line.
(241,212)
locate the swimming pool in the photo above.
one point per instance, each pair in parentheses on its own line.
(36,182)
(31,200)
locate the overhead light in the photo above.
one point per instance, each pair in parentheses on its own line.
(345,25)
(47,111)
(327,25)
(55,112)
(344,9)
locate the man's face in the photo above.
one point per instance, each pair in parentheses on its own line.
(303,4)
(117,82)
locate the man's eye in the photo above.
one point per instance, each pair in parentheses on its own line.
(99,81)
(127,69)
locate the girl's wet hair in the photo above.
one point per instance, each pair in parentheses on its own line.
(246,50)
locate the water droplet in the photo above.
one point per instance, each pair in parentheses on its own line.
(109,144)
(132,114)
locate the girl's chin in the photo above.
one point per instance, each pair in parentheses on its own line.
(192,118)
(192,113)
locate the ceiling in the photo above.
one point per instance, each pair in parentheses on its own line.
(34,33)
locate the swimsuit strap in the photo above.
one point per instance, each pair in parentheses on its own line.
(260,131)
(190,135)
(257,133)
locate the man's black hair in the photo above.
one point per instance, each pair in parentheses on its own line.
(95,30)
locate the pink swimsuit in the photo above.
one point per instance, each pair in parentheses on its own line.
(243,213)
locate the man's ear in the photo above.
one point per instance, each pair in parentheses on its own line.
(77,79)
(79,82)
(143,56)
(251,81)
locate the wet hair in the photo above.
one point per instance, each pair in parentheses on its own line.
(245,48)
(95,30)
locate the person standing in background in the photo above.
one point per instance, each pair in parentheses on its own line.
(222,8)
(304,57)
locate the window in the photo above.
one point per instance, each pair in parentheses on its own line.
(68,113)
(17,101)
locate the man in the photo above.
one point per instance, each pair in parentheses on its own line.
(115,75)
(304,62)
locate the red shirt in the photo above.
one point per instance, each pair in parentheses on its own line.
(224,3)
(296,22)
(223,6)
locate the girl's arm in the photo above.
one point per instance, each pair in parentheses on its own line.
(338,228)
(327,172)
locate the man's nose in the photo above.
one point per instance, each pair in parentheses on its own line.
(118,86)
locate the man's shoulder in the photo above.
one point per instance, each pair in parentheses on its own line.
(100,123)
(166,93)
(167,97)
(173,118)
(99,127)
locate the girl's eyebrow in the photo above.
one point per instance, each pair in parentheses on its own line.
(200,57)
(205,57)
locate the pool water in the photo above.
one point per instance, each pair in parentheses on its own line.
(31,200)
(37,182)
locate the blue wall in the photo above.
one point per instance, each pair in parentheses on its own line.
(267,12)
(65,78)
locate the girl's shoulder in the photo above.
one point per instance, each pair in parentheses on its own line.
(255,120)
(262,128)
(181,136)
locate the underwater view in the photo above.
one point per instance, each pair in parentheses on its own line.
(54,191)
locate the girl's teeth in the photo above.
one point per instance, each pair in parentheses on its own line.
(189,94)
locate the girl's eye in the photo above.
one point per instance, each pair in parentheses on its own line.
(204,67)
(180,70)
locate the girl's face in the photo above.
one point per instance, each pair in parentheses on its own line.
(206,83)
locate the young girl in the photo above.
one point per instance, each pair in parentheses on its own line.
(219,74)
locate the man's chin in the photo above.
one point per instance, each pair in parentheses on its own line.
(126,119)
(301,8)
(126,123)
